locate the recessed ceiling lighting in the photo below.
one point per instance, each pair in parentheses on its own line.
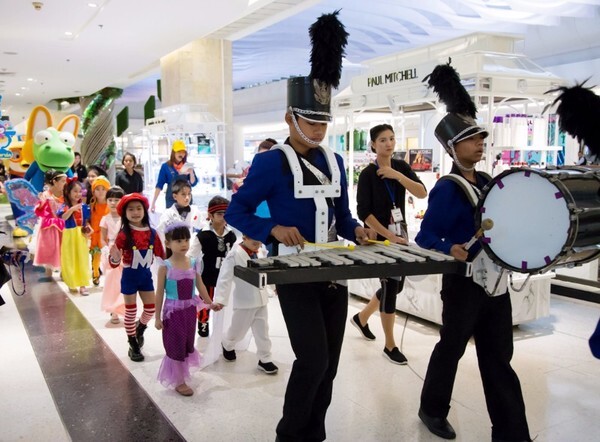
(68,33)
(10,53)
(17,94)
(93,5)
(31,79)
(23,88)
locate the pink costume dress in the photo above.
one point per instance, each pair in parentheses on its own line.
(47,250)
(112,299)
(179,324)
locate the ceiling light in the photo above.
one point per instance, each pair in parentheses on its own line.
(23,88)
(30,79)
(68,33)
(17,94)
(93,5)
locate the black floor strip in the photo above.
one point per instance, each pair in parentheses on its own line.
(96,396)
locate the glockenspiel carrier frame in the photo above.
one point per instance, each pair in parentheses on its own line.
(373,261)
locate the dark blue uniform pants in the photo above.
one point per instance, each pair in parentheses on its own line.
(467,312)
(315,317)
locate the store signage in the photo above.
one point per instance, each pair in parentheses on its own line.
(405,76)
(392,77)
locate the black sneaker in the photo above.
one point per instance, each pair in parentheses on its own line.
(229,355)
(363,329)
(203,329)
(268,367)
(395,356)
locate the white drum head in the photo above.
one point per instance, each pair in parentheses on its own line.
(531,220)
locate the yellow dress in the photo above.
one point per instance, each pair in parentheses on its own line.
(74,251)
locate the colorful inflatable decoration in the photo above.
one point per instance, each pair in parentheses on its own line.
(6,134)
(24,196)
(52,148)
(17,166)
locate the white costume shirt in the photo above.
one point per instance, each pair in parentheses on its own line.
(245,295)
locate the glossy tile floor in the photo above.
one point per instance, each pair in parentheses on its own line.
(65,375)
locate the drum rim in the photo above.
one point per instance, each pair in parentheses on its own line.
(572,233)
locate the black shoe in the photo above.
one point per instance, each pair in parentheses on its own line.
(203,329)
(438,425)
(363,329)
(229,355)
(395,356)
(134,350)
(96,281)
(139,333)
(268,367)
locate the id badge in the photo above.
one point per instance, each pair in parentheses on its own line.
(392,228)
(397,216)
(218,262)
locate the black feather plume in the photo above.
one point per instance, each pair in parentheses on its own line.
(328,38)
(445,82)
(579,112)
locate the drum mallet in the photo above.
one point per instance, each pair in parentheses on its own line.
(486,224)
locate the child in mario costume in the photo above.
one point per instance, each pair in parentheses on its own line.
(135,246)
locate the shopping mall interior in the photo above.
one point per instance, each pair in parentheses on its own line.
(215,76)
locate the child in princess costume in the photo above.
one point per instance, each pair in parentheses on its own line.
(135,247)
(176,305)
(110,225)
(49,238)
(74,254)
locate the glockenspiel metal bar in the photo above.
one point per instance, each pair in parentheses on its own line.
(395,253)
(413,248)
(330,259)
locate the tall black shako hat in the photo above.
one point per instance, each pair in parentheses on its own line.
(459,123)
(579,112)
(310,97)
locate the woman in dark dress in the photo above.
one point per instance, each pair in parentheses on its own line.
(129,179)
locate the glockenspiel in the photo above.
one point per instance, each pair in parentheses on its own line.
(335,264)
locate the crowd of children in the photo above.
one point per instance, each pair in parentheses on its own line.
(106,238)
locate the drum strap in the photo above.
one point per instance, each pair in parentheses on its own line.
(471,191)
(486,273)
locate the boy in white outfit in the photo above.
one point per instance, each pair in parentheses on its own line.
(249,306)
(182,210)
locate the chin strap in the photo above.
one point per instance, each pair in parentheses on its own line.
(452,153)
(297,126)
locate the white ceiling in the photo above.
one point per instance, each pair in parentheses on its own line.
(120,42)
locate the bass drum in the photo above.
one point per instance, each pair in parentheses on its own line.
(541,218)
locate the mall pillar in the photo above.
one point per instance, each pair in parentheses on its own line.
(201,73)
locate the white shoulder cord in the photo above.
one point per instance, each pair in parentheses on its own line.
(319,193)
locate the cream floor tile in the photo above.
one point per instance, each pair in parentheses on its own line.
(373,399)
(27,410)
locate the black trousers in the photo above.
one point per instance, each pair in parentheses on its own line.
(315,317)
(467,312)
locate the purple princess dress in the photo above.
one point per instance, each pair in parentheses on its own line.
(179,325)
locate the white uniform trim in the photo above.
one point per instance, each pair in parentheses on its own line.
(317,192)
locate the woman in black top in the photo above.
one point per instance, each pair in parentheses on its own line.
(78,168)
(129,179)
(380,199)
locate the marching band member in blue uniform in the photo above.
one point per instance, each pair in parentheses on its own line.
(288,177)
(469,310)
